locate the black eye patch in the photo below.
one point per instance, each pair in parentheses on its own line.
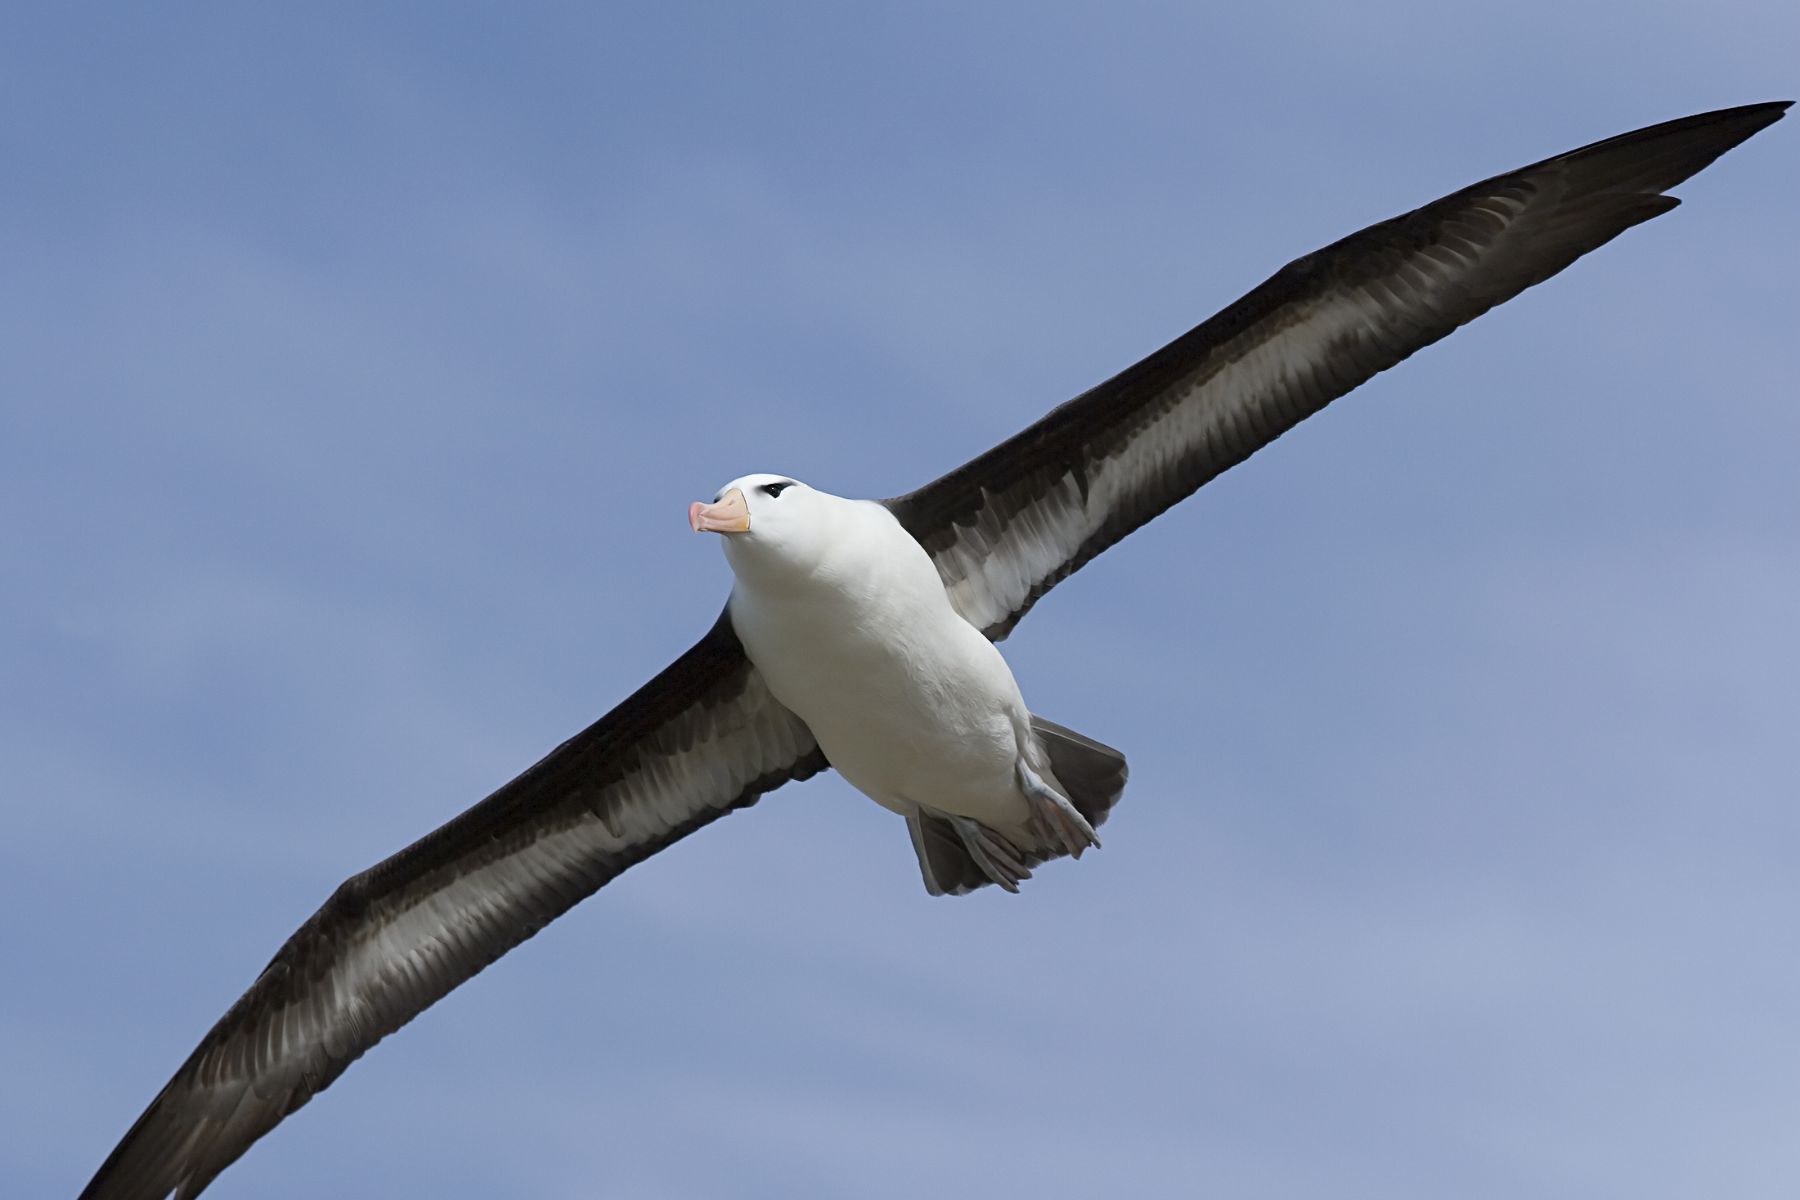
(772,490)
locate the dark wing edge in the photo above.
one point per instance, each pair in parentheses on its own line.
(1009,525)
(700,740)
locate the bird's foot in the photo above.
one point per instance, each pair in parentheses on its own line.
(1055,814)
(998,858)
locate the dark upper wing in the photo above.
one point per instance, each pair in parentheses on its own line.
(1006,527)
(702,738)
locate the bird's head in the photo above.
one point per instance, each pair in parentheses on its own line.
(768,519)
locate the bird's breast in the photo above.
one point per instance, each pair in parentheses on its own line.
(907,700)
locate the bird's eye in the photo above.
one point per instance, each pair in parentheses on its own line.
(772,490)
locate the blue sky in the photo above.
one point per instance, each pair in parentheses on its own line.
(360,365)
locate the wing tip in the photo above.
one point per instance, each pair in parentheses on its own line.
(1745,120)
(1651,160)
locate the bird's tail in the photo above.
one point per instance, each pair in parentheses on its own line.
(1090,774)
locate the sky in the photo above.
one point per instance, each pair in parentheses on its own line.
(361,361)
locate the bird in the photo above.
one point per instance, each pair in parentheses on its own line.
(846,618)
(862,635)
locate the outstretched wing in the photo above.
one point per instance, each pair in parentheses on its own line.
(1006,527)
(701,739)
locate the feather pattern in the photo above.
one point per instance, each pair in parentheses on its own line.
(701,739)
(1006,527)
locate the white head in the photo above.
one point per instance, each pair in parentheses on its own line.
(770,523)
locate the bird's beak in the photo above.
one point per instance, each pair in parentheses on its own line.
(730,513)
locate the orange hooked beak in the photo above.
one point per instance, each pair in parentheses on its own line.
(730,513)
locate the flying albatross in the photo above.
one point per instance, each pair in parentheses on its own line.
(860,635)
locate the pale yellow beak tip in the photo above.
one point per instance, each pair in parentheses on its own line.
(730,513)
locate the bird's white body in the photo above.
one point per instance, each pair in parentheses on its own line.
(848,621)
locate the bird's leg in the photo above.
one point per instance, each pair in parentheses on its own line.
(997,857)
(1054,811)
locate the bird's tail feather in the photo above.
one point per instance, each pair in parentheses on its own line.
(1092,775)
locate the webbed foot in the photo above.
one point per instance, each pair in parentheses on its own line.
(1055,814)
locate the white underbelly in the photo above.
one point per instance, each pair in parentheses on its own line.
(922,712)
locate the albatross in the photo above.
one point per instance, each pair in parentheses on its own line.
(861,635)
